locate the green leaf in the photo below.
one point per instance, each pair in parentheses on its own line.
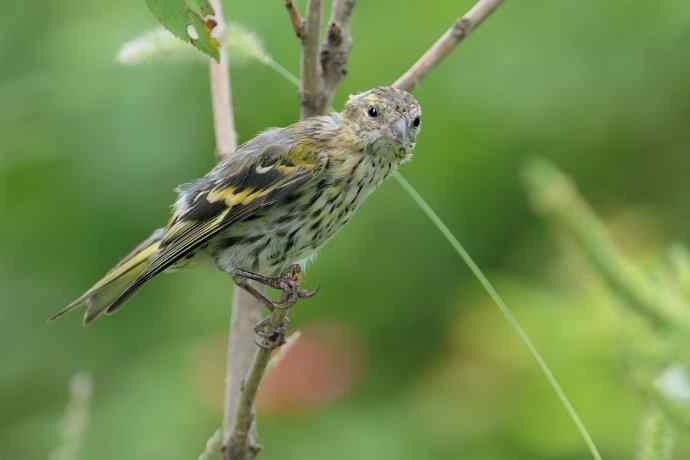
(190,21)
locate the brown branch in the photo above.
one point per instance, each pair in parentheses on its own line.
(224,121)
(246,312)
(241,445)
(321,74)
(311,85)
(295,18)
(246,365)
(447,43)
(241,354)
(335,50)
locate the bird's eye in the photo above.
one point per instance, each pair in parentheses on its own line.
(373,112)
(416,122)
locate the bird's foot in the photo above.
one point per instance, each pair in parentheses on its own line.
(271,336)
(288,283)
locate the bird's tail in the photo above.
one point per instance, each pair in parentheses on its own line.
(101,297)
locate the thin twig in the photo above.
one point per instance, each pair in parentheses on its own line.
(295,18)
(246,312)
(239,429)
(215,442)
(240,446)
(242,351)
(282,352)
(224,121)
(311,88)
(213,446)
(239,441)
(447,43)
(76,417)
(335,50)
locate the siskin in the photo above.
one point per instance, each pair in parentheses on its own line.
(261,214)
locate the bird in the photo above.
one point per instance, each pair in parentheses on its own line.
(266,210)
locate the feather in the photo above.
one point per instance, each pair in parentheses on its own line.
(261,172)
(101,295)
(222,201)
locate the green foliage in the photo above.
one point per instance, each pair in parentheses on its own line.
(554,195)
(87,169)
(506,311)
(653,347)
(189,20)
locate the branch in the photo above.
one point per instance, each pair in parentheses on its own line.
(246,312)
(447,43)
(239,437)
(321,72)
(213,446)
(223,119)
(242,349)
(335,50)
(311,87)
(295,19)
(241,446)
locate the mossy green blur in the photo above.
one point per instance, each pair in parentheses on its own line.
(90,152)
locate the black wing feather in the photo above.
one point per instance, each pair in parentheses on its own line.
(204,219)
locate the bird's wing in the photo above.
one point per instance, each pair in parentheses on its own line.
(256,176)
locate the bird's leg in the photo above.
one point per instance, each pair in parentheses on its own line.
(244,284)
(272,337)
(289,284)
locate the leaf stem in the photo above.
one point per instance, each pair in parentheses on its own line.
(447,43)
(505,310)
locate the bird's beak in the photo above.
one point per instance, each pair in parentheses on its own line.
(400,131)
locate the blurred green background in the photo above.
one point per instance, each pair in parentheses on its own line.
(403,357)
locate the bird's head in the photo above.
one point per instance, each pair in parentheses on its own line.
(385,120)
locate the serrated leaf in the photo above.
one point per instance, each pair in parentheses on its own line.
(201,7)
(189,20)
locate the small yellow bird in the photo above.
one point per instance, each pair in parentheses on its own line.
(265,211)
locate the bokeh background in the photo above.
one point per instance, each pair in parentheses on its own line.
(403,355)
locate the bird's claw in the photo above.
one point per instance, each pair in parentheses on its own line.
(289,283)
(269,336)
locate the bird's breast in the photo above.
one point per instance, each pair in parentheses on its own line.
(294,229)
